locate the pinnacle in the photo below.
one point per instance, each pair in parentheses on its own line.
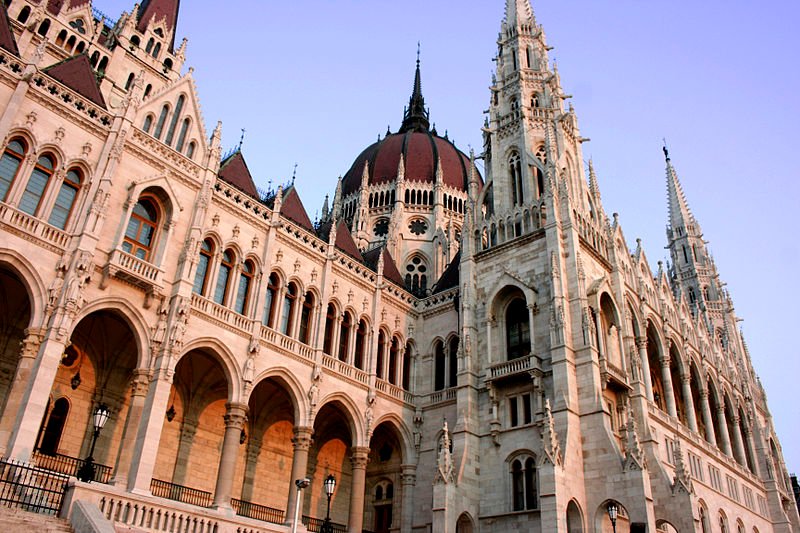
(416,115)
(679,213)
(519,12)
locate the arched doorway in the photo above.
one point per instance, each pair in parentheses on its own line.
(15,317)
(464,524)
(574,518)
(382,509)
(603,523)
(330,455)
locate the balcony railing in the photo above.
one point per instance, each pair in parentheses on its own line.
(135,271)
(394,391)
(179,493)
(442,395)
(519,365)
(220,312)
(314,525)
(64,464)
(258,512)
(33,226)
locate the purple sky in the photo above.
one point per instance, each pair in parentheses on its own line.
(315,82)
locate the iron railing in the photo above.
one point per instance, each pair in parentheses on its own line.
(257,511)
(179,493)
(30,488)
(64,464)
(315,524)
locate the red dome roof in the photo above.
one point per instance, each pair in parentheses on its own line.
(421,150)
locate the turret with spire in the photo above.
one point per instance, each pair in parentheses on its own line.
(416,117)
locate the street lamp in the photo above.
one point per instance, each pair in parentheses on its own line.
(613,511)
(101,414)
(330,486)
(300,484)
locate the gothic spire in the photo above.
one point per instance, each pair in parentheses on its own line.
(518,12)
(680,216)
(416,116)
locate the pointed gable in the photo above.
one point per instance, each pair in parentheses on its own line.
(292,208)
(450,275)
(234,170)
(77,74)
(390,270)
(155,10)
(6,35)
(345,242)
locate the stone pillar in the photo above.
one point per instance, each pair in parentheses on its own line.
(27,357)
(669,392)
(641,345)
(408,479)
(708,420)
(235,418)
(302,443)
(725,438)
(738,443)
(748,435)
(248,483)
(139,384)
(149,434)
(35,396)
(359,461)
(688,400)
(185,439)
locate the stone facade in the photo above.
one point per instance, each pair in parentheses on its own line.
(462,353)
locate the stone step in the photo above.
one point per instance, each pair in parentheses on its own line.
(18,520)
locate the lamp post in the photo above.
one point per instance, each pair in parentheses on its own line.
(300,484)
(330,486)
(613,511)
(101,414)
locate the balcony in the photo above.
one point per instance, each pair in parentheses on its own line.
(31,228)
(529,364)
(613,376)
(133,270)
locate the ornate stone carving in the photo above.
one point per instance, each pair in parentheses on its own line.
(550,444)
(444,463)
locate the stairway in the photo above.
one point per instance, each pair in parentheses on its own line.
(17,520)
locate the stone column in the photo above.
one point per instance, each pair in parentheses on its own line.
(139,384)
(35,395)
(359,461)
(149,434)
(185,440)
(302,443)
(725,438)
(748,435)
(669,392)
(248,483)
(708,420)
(27,356)
(688,400)
(531,307)
(738,444)
(408,479)
(235,418)
(641,345)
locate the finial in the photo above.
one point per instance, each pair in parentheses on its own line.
(418,48)
(294,173)
(241,141)
(388,130)
(666,151)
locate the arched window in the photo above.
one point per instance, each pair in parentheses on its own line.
(535,100)
(44,27)
(55,427)
(71,43)
(147,90)
(149,46)
(416,276)
(243,292)
(515,172)
(135,42)
(129,82)
(24,13)
(101,68)
(723,523)
(344,336)
(304,333)
(287,309)
(330,323)
(62,36)
(175,117)
(223,277)
(80,48)
(182,135)
(407,367)
(161,119)
(394,352)
(157,50)
(361,340)
(65,199)
(523,484)
(381,354)
(271,301)
(9,164)
(95,58)
(705,527)
(201,275)
(518,333)
(190,150)
(439,365)
(452,363)
(32,197)
(140,233)
(167,65)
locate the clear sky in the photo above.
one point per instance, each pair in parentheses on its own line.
(315,81)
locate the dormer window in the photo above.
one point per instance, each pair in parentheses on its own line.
(159,32)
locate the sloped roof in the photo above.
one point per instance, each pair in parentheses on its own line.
(234,171)
(345,242)
(157,9)
(54,7)
(292,208)
(450,275)
(390,271)
(76,73)
(6,35)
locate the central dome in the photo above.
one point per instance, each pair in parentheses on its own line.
(423,151)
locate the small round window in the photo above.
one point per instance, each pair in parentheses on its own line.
(381,227)
(418,226)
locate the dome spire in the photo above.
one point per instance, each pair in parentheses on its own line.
(416,116)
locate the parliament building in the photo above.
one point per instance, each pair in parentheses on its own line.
(462,351)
